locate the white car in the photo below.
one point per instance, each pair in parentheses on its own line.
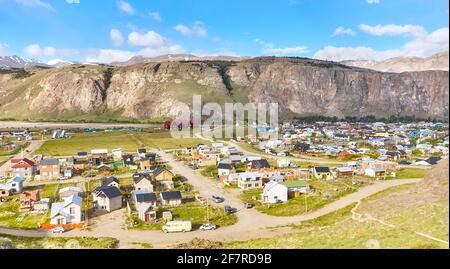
(208,227)
(58,230)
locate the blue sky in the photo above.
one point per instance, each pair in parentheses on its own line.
(115,30)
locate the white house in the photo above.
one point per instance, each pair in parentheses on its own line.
(117,154)
(249,180)
(66,212)
(375,172)
(274,192)
(15,185)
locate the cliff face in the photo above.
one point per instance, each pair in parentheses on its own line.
(153,90)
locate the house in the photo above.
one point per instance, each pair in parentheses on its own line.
(302,147)
(343,172)
(146,163)
(163,178)
(433,160)
(66,212)
(224,169)
(82,155)
(24,168)
(375,172)
(68,172)
(98,156)
(4,190)
(15,185)
(111,182)
(69,191)
(231,179)
(283,163)
(146,212)
(79,164)
(296,187)
(128,161)
(105,168)
(274,192)
(141,153)
(144,197)
(259,164)
(117,154)
(321,172)
(249,180)
(49,169)
(143,182)
(108,198)
(27,200)
(171,198)
(42,205)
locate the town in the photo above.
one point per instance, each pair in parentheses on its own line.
(147,181)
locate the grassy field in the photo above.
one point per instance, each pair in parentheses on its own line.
(339,231)
(165,141)
(407,210)
(326,192)
(410,173)
(18,242)
(88,141)
(129,142)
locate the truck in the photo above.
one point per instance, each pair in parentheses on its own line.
(177,226)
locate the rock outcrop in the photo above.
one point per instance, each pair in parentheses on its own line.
(153,90)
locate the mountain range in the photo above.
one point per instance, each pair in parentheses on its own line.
(437,61)
(143,90)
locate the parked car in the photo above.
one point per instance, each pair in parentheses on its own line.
(208,227)
(58,230)
(230,210)
(249,205)
(218,199)
(177,226)
(62,178)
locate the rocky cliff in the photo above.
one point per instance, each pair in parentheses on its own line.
(156,90)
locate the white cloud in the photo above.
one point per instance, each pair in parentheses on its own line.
(155,16)
(219,52)
(149,39)
(373,1)
(116,37)
(36,50)
(421,46)
(269,48)
(393,30)
(343,31)
(108,55)
(126,7)
(286,51)
(198,29)
(4,48)
(73,1)
(35,3)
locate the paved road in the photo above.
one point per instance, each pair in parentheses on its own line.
(28,152)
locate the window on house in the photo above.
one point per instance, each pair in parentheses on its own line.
(72,210)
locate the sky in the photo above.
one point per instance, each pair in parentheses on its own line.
(115,30)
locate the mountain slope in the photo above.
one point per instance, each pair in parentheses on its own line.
(156,90)
(437,61)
